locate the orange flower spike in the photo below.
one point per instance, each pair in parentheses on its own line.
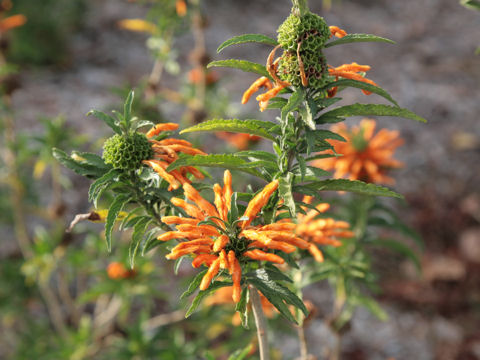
(181,8)
(169,220)
(12,22)
(206,230)
(220,243)
(353,76)
(170,235)
(190,209)
(187,250)
(224,264)
(157,129)
(264,98)
(185,149)
(263,256)
(186,244)
(236,272)
(195,172)
(354,67)
(316,253)
(287,226)
(274,245)
(258,202)
(219,201)
(336,31)
(193,195)
(211,273)
(256,85)
(155,165)
(272,70)
(171,141)
(227,189)
(206,259)
(256,236)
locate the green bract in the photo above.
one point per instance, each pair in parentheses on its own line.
(126,152)
(311,29)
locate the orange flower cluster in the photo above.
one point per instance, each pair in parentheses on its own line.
(222,246)
(336,31)
(166,151)
(273,91)
(365,156)
(324,231)
(238,140)
(12,22)
(117,270)
(350,71)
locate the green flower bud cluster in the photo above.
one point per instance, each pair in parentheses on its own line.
(311,32)
(126,152)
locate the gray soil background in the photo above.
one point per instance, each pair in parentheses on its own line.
(432,70)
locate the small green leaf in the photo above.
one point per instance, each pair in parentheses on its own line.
(109,120)
(99,185)
(202,293)
(285,192)
(241,354)
(233,213)
(243,65)
(354,186)
(361,85)
(307,114)
(117,205)
(352,38)
(194,284)
(226,161)
(80,167)
(368,110)
(127,107)
(371,305)
(248,38)
(294,101)
(252,127)
(138,232)
(241,307)
(472,4)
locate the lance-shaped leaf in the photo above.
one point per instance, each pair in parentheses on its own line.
(117,205)
(109,120)
(252,127)
(138,232)
(243,65)
(201,295)
(294,101)
(368,110)
(355,186)
(225,161)
(400,248)
(81,167)
(285,192)
(248,38)
(241,307)
(361,85)
(352,38)
(100,185)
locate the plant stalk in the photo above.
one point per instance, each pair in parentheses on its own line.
(260,323)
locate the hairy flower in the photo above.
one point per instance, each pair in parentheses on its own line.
(364,156)
(216,240)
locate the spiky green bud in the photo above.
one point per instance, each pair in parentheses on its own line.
(126,152)
(315,67)
(309,29)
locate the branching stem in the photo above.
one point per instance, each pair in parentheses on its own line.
(261,324)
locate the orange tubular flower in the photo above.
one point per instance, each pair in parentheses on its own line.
(117,270)
(336,31)
(181,7)
(225,243)
(351,71)
(12,22)
(273,91)
(325,231)
(365,156)
(239,140)
(166,151)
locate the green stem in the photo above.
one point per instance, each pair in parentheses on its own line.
(300,7)
(261,324)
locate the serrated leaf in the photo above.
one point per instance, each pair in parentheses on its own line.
(194,284)
(355,186)
(117,205)
(138,232)
(242,353)
(285,192)
(307,112)
(99,185)
(107,119)
(327,134)
(90,159)
(352,38)
(257,154)
(241,307)
(143,123)
(294,101)
(226,161)
(368,110)
(252,127)
(362,85)
(202,293)
(248,38)
(81,168)
(269,272)
(151,240)
(127,107)
(233,213)
(243,65)
(277,103)
(400,248)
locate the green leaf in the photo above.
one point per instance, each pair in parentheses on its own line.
(109,120)
(99,185)
(241,354)
(138,232)
(400,248)
(91,159)
(252,127)
(194,284)
(368,110)
(127,107)
(270,272)
(248,38)
(226,161)
(257,154)
(354,186)
(352,38)
(371,305)
(241,307)
(243,65)
(472,4)
(294,101)
(233,213)
(80,167)
(307,113)
(202,293)
(361,85)
(117,205)
(327,134)
(151,240)
(285,192)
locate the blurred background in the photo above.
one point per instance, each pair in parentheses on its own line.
(60,295)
